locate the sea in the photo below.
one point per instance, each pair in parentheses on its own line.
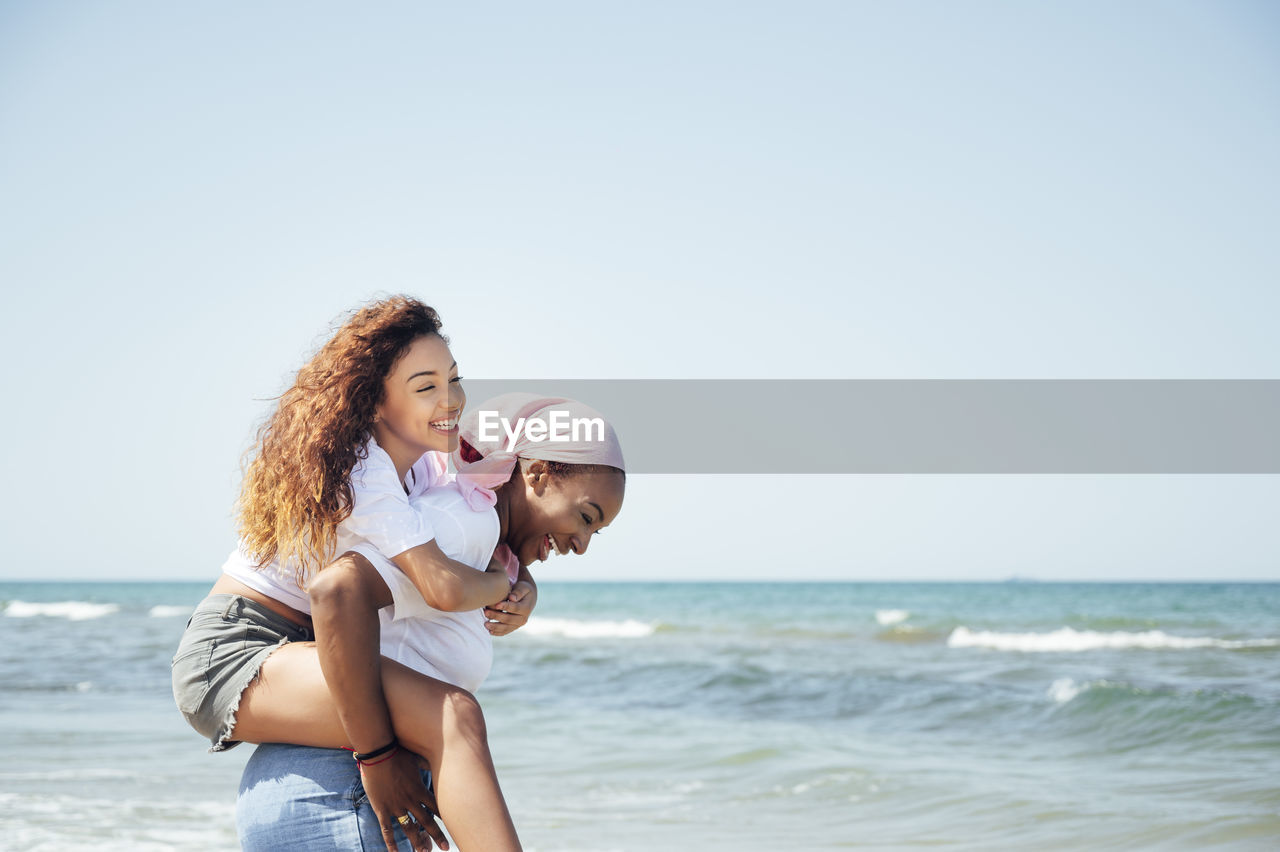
(735,716)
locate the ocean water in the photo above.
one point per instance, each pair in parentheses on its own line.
(728,716)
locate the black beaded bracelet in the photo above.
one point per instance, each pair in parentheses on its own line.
(377,752)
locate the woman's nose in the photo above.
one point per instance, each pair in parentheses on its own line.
(457,396)
(578,544)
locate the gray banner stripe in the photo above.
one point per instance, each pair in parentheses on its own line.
(931,426)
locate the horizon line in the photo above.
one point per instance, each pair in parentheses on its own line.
(1011,581)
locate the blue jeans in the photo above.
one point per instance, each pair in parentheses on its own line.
(295,797)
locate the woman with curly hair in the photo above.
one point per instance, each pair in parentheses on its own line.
(518,496)
(359,434)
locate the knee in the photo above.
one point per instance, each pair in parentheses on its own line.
(346,565)
(341,580)
(463,716)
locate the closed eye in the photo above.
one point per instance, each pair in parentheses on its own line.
(452,381)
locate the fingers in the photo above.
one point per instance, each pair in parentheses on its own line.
(401,799)
(506,613)
(502,623)
(512,613)
(427,827)
(420,829)
(520,607)
(388,834)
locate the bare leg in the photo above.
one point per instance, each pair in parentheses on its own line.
(289,702)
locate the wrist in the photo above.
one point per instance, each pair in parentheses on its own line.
(371,740)
(366,765)
(377,752)
(377,755)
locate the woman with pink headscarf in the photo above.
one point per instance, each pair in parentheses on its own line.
(535,475)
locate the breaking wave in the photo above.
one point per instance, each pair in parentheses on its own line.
(73,610)
(168,611)
(1067,640)
(574,629)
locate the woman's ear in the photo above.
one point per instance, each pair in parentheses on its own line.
(537,475)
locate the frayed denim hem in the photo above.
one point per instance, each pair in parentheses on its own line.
(222,742)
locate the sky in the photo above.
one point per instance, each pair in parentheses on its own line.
(192,194)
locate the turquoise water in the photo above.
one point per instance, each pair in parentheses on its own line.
(730,716)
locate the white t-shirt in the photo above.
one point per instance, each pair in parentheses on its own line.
(381,516)
(452,646)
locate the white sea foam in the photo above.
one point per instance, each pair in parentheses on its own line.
(1064,689)
(86,773)
(134,824)
(73,610)
(574,629)
(886,617)
(1066,639)
(168,611)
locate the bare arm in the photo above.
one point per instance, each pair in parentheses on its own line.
(513,612)
(526,577)
(449,585)
(345,599)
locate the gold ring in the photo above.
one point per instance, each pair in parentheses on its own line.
(404,820)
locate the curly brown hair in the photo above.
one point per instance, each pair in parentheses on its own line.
(296,487)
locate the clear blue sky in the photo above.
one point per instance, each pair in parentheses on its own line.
(190,193)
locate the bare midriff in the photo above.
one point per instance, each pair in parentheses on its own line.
(228,585)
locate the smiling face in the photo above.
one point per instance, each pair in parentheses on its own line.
(559,512)
(422,398)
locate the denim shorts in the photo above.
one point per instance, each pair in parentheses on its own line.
(299,799)
(225,644)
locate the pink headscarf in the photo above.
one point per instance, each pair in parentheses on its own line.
(518,426)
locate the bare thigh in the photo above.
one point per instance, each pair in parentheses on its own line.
(289,702)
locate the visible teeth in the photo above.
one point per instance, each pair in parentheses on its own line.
(445,424)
